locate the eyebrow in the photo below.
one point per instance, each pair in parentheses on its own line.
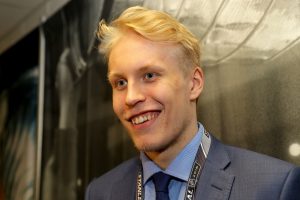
(149,68)
(110,76)
(145,68)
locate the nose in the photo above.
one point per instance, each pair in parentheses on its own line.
(134,94)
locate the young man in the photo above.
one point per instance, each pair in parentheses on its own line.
(153,68)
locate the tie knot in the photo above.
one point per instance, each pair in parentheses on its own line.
(161,181)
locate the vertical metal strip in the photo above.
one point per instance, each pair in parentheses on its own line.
(40,112)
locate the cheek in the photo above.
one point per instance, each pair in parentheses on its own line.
(160,94)
(117,103)
(174,92)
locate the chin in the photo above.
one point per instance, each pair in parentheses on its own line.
(151,147)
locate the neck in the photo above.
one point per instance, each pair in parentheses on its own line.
(164,158)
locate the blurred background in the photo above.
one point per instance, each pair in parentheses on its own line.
(57,127)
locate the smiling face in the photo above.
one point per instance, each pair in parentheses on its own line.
(153,96)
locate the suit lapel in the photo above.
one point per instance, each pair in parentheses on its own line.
(125,186)
(215,182)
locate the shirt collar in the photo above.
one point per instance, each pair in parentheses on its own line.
(181,166)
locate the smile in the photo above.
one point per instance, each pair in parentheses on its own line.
(144,118)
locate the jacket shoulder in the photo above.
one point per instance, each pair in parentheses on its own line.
(103,186)
(248,159)
(259,176)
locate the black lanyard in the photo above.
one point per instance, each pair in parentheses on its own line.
(194,175)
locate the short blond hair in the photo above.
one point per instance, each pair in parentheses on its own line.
(153,25)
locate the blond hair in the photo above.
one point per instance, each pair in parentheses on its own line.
(153,25)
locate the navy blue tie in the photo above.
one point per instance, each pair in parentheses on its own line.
(161,182)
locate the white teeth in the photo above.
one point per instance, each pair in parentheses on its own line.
(142,119)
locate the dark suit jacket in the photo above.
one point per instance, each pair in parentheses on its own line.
(229,173)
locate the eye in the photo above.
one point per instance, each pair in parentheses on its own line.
(150,76)
(120,84)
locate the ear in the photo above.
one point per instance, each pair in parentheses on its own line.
(197,83)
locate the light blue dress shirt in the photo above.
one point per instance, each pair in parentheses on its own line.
(180,168)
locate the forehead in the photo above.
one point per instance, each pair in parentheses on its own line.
(133,49)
